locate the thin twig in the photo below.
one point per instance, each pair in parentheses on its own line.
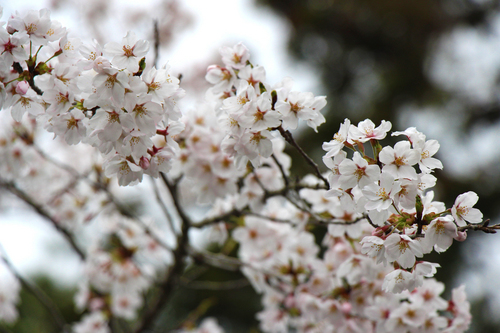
(215,259)
(120,207)
(289,138)
(163,206)
(283,174)
(481,227)
(44,300)
(217,219)
(215,285)
(157,42)
(11,187)
(169,284)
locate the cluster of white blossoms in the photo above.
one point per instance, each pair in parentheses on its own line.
(102,96)
(373,209)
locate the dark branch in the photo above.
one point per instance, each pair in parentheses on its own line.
(481,227)
(289,138)
(167,287)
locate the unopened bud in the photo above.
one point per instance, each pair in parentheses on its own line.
(22,88)
(461,236)
(144,163)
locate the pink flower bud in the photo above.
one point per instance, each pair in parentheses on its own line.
(461,236)
(144,163)
(22,87)
(96,304)
(346,308)
(101,64)
(381,231)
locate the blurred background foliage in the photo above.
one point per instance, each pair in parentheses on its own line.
(376,59)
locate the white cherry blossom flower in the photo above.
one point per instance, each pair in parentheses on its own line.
(406,195)
(301,105)
(136,144)
(126,171)
(9,295)
(462,210)
(90,54)
(253,75)
(411,314)
(11,46)
(398,280)
(440,233)
(125,304)
(427,163)
(127,54)
(69,48)
(71,125)
(95,322)
(428,295)
(145,113)
(30,102)
(59,101)
(235,57)
(357,172)
(245,95)
(334,146)
(161,84)
(373,247)
(161,161)
(402,249)
(222,78)
(260,116)
(34,23)
(109,124)
(366,130)
(399,160)
(380,197)
(111,84)
(415,137)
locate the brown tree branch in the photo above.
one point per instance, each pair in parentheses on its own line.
(167,287)
(289,138)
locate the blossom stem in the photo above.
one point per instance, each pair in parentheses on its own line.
(163,207)
(285,177)
(289,138)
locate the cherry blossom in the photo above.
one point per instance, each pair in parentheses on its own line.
(402,249)
(462,210)
(357,172)
(366,130)
(339,139)
(399,160)
(128,53)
